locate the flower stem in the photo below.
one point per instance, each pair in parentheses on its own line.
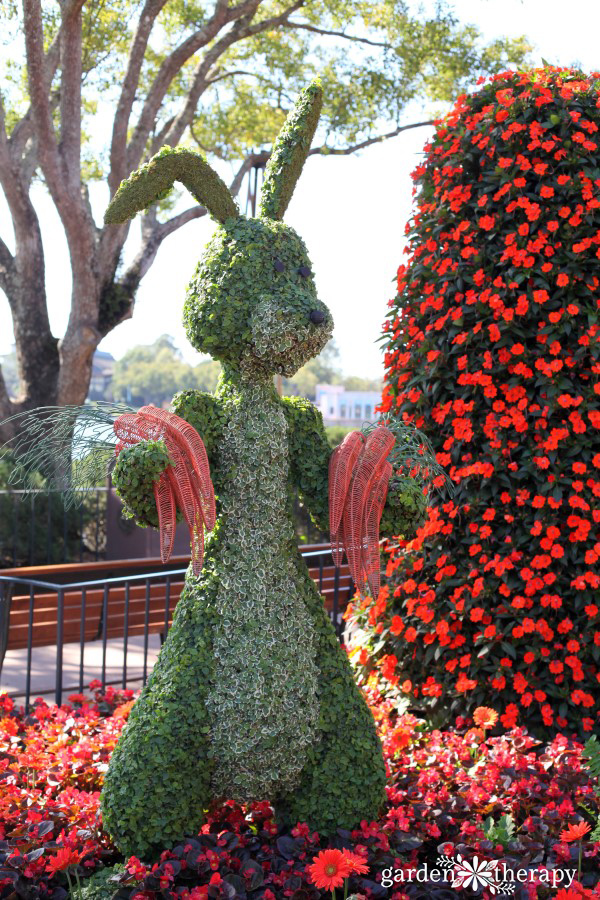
(79,889)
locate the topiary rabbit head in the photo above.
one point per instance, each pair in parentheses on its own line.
(252,302)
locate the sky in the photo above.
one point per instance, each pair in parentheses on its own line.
(350,211)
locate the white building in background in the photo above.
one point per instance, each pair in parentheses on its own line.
(103,365)
(341,407)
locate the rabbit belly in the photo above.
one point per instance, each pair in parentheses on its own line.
(264,706)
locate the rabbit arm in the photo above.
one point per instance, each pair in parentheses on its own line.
(138,468)
(203,412)
(309,457)
(405,508)
(135,473)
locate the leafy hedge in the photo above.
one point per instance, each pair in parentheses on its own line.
(492,350)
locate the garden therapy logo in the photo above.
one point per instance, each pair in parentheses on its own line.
(477,874)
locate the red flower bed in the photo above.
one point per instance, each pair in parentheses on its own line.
(493,350)
(447,794)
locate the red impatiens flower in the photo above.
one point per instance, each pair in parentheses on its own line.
(329,870)
(575,832)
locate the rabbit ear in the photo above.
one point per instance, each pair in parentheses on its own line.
(290,151)
(156,178)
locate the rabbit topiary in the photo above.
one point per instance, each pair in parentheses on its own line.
(252,697)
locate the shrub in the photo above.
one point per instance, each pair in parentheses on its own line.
(492,350)
(39,529)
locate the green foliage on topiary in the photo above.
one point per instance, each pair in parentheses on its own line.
(309,470)
(159,779)
(155,179)
(136,470)
(252,697)
(289,153)
(250,299)
(405,508)
(98,886)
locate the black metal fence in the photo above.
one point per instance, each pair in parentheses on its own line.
(108,611)
(37,529)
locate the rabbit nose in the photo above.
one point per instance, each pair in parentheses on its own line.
(317,316)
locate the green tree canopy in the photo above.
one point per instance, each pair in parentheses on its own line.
(153,373)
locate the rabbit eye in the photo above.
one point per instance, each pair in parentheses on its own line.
(278,265)
(304,271)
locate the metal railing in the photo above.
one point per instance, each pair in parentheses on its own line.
(37,528)
(104,609)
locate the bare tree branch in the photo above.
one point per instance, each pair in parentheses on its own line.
(66,194)
(7,268)
(118,147)
(28,236)
(194,212)
(241,30)
(70,91)
(149,248)
(347,37)
(82,335)
(261,159)
(253,159)
(159,139)
(352,148)
(25,158)
(219,76)
(22,278)
(39,92)
(172,64)
(6,409)
(23,130)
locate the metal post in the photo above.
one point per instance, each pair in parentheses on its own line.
(97,521)
(81,531)
(16,504)
(146,620)
(59,645)
(29,650)
(336,595)
(49,529)
(82,637)
(65,552)
(125,635)
(32,530)
(104,632)
(167,607)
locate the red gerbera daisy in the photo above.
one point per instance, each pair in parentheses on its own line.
(485,717)
(329,870)
(358,864)
(64,858)
(575,832)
